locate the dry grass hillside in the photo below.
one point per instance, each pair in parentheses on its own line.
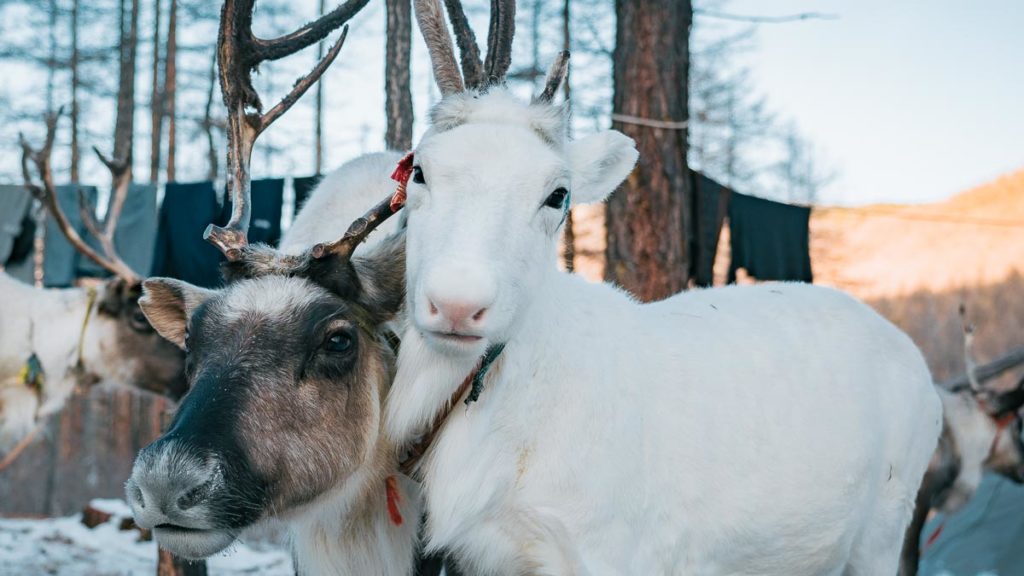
(916,264)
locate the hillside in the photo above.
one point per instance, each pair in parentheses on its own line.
(916,264)
(975,238)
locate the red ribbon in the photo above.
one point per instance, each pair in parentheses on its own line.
(394,499)
(401,175)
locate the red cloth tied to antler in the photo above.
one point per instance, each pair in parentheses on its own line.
(401,175)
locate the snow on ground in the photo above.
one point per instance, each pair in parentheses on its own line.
(65,546)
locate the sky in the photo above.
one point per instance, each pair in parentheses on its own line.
(903,100)
(909,100)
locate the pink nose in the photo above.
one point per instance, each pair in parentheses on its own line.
(459,314)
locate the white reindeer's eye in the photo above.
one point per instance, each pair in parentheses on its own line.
(417,175)
(557,199)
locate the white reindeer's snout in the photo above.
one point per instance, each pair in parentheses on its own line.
(455,304)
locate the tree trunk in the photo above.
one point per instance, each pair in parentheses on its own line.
(124,124)
(51,63)
(318,163)
(75,83)
(396,73)
(170,79)
(569,236)
(648,220)
(156,103)
(208,124)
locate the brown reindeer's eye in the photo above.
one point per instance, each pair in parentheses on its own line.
(338,342)
(557,199)
(139,322)
(417,175)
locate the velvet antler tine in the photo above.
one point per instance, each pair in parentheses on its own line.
(356,233)
(469,51)
(500,32)
(87,214)
(276,48)
(430,17)
(120,172)
(492,37)
(555,77)
(507,30)
(305,83)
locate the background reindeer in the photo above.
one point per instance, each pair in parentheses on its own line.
(981,432)
(287,364)
(613,438)
(56,339)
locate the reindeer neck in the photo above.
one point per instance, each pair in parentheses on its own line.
(350,531)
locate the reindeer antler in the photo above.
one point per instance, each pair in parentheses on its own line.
(556,74)
(501,29)
(356,233)
(239,53)
(970,364)
(46,193)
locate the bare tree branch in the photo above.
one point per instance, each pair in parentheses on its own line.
(766,19)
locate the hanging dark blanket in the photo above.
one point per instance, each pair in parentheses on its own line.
(267,203)
(135,235)
(711,201)
(180,251)
(61,260)
(16,225)
(769,239)
(304,187)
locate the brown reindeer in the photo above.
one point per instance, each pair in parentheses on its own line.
(288,366)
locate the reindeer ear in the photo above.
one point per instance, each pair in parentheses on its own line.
(169,303)
(381,274)
(599,163)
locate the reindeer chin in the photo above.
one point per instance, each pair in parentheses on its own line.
(190,543)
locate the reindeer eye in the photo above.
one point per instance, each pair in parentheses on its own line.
(417,175)
(338,342)
(557,198)
(139,322)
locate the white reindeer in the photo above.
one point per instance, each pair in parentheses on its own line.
(772,430)
(76,336)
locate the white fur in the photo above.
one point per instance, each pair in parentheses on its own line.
(975,434)
(342,196)
(48,322)
(779,429)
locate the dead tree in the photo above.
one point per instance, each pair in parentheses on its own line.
(569,236)
(397,81)
(156,101)
(124,124)
(648,219)
(209,124)
(76,83)
(170,88)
